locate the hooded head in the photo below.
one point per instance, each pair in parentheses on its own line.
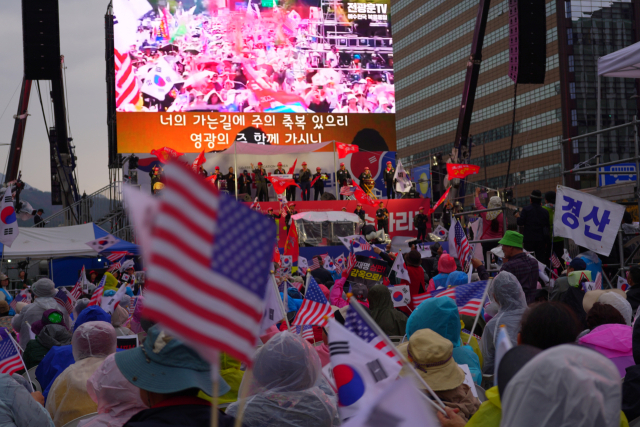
(92,314)
(446,264)
(93,339)
(119,316)
(438,314)
(457,278)
(44,288)
(506,292)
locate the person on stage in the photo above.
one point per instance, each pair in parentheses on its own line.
(318,186)
(389,173)
(342,176)
(305,182)
(382,216)
(261,183)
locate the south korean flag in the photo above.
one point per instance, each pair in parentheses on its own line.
(103,243)
(8,220)
(286,262)
(400,268)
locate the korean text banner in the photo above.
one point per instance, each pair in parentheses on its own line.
(590,221)
(368,271)
(204,71)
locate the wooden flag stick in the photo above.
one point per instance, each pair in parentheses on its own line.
(475,322)
(244,391)
(215,372)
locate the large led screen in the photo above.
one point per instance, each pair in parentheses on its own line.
(198,75)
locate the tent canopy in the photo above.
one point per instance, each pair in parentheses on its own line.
(327,216)
(60,242)
(245,148)
(621,63)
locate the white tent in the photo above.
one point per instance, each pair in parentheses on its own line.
(623,63)
(322,216)
(59,242)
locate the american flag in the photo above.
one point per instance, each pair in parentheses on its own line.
(23,296)
(307,332)
(555,262)
(76,292)
(353,322)
(461,242)
(598,283)
(315,307)
(347,190)
(96,297)
(127,90)
(467,297)
(210,260)
(115,256)
(63,299)
(351,261)
(10,361)
(114,267)
(316,264)
(361,244)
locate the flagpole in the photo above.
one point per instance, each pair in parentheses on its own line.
(244,391)
(373,325)
(306,287)
(15,345)
(235,167)
(215,374)
(284,313)
(475,322)
(335,168)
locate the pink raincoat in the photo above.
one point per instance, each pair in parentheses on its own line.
(614,342)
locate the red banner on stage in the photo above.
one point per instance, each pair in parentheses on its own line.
(401,214)
(461,171)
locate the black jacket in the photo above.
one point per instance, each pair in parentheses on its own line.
(420,221)
(535,220)
(231,181)
(305,176)
(388,175)
(179,416)
(261,176)
(322,275)
(633,296)
(319,184)
(361,213)
(342,176)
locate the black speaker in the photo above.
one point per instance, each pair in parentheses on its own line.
(527,41)
(41,39)
(328,196)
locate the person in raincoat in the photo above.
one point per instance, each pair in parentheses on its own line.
(68,399)
(566,385)
(60,358)
(231,374)
(117,399)
(287,388)
(53,333)
(18,408)
(390,320)
(44,291)
(441,316)
(118,318)
(508,302)
(446,266)
(457,278)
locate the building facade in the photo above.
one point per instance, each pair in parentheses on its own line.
(432,43)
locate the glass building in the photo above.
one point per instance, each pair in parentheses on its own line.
(432,45)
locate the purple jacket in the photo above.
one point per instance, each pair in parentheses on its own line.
(614,342)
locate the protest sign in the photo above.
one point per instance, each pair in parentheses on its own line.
(127,342)
(588,220)
(368,271)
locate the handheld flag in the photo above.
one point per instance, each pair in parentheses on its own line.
(358,242)
(461,170)
(272,313)
(63,299)
(623,284)
(199,161)
(8,221)
(109,304)
(166,154)
(467,297)
(503,344)
(281,184)
(439,202)
(315,307)
(555,262)
(566,257)
(103,243)
(458,240)
(403,183)
(400,268)
(442,232)
(24,296)
(10,360)
(361,372)
(292,169)
(598,282)
(356,324)
(212,254)
(96,297)
(291,245)
(345,149)
(363,197)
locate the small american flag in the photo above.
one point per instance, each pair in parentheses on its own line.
(307,332)
(115,256)
(555,262)
(114,267)
(353,322)
(23,296)
(212,254)
(317,264)
(76,292)
(351,260)
(360,244)
(598,283)
(347,190)
(461,242)
(63,299)
(10,361)
(314,308)
(96,297)
(467,297)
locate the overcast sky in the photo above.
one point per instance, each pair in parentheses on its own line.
(82,44)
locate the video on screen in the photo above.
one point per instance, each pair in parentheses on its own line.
(291,56)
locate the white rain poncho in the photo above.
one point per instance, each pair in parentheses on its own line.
(18,408)
(81,304)
(117,399)
(564,386)
(507,297)
(92,342)
(285,389)
(44,290)
(119,316)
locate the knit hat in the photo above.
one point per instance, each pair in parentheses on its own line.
(494,203)
(432,356)
(511,238)
(446,264)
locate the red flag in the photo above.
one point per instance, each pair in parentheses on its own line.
(211,178)
(276,254)
(281,184)
(292,169)
(442,199)
(198,162)
(346,149)
(291,245)
(165,154)
(314,180)
(461,171)
(363,197)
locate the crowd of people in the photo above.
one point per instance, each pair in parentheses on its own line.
(258,60)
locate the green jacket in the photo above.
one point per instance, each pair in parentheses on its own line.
(551,213)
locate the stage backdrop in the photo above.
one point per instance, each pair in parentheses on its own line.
(401,214)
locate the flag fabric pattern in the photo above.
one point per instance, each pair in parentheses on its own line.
(439,202)
(347,190)
(101,244)
(461,171)
(80,285)
(555,262)
(467,297)
(96,297)
(598,284)
(354,323)
(199,161)
(503,344)
(460,242)
(10,361)
(403,183)
(345,149)
(361,372)
(9,229)
(292,245)
(281,184)
(363,197)
(400,268)
(307,332)
(23,296)
(314,308)
(213,255)
(63,299)
(115,256)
